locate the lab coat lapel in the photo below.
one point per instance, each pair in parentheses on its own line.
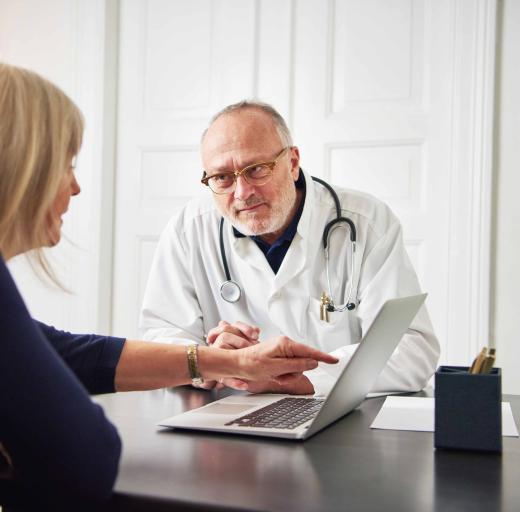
(248,251)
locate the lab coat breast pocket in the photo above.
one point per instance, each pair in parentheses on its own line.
(342,328)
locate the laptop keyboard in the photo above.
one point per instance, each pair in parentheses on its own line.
(287,413)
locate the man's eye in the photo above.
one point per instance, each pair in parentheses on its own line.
(258,171)
(222,178)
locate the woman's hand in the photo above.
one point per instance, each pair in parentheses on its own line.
(278,360)
(270,366)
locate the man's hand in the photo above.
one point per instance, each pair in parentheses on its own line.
(244,335)
(297,384)
(269,367)
(230,336)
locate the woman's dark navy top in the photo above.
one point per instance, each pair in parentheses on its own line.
(58,440)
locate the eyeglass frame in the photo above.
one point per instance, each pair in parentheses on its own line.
(236,174)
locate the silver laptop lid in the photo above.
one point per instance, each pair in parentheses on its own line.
(374,351)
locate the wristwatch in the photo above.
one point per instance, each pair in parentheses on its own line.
(193,366)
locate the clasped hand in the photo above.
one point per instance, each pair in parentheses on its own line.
(260,356)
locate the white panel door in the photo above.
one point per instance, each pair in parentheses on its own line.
(179,63)
(387,96)
(372,114)
(394,97)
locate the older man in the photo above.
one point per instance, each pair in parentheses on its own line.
(253,253)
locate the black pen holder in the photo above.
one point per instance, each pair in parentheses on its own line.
(468,409)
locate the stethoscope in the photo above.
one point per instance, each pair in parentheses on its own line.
(231,292)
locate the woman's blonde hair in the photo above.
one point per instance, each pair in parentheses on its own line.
(40,132)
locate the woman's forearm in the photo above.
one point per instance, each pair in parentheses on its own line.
(146,365)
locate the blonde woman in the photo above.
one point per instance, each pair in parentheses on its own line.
(53,438)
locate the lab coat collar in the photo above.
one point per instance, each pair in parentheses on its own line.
(304,225)
(248,251)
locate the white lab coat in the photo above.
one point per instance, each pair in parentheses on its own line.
(182,299)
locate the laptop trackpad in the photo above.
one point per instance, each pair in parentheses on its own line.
(219,408)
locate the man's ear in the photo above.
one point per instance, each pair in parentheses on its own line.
(295,162)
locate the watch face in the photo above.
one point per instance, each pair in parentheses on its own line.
(197,382)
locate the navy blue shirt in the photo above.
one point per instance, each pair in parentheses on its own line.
(59,441)
(276,252)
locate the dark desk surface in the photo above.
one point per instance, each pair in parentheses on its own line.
(348,466)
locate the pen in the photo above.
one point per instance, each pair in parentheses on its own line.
(477,363)
(488,362)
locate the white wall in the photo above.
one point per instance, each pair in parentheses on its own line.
(505,270)
(64,40)
(42,39)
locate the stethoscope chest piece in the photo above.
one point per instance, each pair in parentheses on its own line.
(230,291)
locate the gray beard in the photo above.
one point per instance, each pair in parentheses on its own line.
(277,219)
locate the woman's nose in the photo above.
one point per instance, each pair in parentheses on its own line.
(74,186)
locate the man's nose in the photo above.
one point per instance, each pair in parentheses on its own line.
(243,189)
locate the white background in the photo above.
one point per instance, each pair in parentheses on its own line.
(75,44)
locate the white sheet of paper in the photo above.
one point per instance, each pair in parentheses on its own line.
(417,413)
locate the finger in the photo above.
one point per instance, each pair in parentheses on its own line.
(247,330)
(212,335)
(288,378)
(235,383)
(301,350)
(293,365)
(224,345)
(232,341)
(241,329)
(219,339)
(236,329)
(216,331)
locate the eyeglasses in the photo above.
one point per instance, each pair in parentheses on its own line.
(255,174)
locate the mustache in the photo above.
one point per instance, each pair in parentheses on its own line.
(250,201)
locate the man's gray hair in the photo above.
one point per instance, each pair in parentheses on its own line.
(279,121)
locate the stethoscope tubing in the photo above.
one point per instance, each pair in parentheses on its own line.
(230,290)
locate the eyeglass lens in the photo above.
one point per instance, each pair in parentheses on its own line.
(254,175)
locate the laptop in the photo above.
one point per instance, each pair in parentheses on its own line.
(299,417)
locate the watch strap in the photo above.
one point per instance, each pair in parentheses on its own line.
(193,365)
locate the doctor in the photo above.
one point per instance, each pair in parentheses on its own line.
(252,251)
